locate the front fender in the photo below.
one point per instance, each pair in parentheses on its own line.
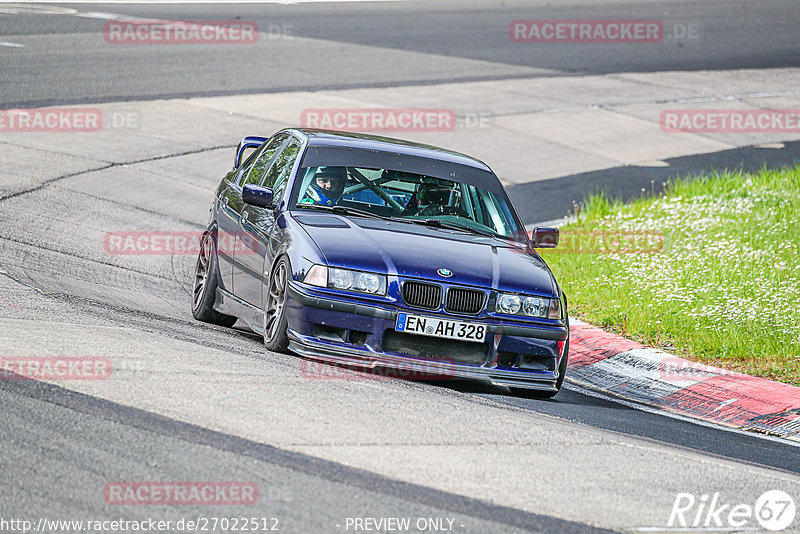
(297,246)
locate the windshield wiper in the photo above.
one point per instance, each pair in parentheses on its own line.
(453,226)
(344,210)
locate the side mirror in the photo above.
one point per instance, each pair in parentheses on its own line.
(544,237)
(252,141)
(255,195)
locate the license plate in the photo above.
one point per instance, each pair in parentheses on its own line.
(444,328)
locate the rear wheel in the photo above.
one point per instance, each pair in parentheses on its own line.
(275,321)
(205,286)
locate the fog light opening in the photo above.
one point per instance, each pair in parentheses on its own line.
(329,333)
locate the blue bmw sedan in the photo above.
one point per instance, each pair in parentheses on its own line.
(373,252)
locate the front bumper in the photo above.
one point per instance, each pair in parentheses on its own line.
(510,348)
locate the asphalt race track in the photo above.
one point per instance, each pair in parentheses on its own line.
(734,35)
(328,452)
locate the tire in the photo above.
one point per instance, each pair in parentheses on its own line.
(275,322)
(562,371)
(204,291)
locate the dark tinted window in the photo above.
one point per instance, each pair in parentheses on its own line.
(279,172)
(255,175)
(246,165)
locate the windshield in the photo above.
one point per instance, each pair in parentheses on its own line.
(408,197)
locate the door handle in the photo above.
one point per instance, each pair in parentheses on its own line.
(245,214)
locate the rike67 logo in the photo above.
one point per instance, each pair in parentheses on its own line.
(774,511)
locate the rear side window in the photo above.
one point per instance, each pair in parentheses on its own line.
(255,175)
(278,175)
(244,168)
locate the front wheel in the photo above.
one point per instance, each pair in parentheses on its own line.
(205,286)
(275,322)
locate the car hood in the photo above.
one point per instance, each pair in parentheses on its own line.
(416,251)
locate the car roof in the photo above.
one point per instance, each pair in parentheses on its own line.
(331,138)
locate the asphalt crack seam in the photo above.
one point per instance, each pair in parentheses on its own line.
(76,256)
(51,151)
(131,206)
(150,323)
(108,166)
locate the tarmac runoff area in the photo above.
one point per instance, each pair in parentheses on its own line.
(153,166)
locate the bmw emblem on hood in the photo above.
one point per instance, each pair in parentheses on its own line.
(447,273)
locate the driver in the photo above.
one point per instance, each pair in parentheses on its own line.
(327,186)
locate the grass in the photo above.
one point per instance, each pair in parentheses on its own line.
(709,270)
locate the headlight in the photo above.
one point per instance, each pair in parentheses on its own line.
(511,304)
(341,278)
(508,303)
(346,279)
(368,282)
(536,306)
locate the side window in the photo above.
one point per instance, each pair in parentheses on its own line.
(245,166)
(256,174)
(278,175)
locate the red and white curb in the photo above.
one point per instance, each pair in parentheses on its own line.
(603,361)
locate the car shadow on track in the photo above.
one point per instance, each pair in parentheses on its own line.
(334,371)
(565,397)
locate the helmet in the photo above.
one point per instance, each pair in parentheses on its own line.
(328,184)
(438,192)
